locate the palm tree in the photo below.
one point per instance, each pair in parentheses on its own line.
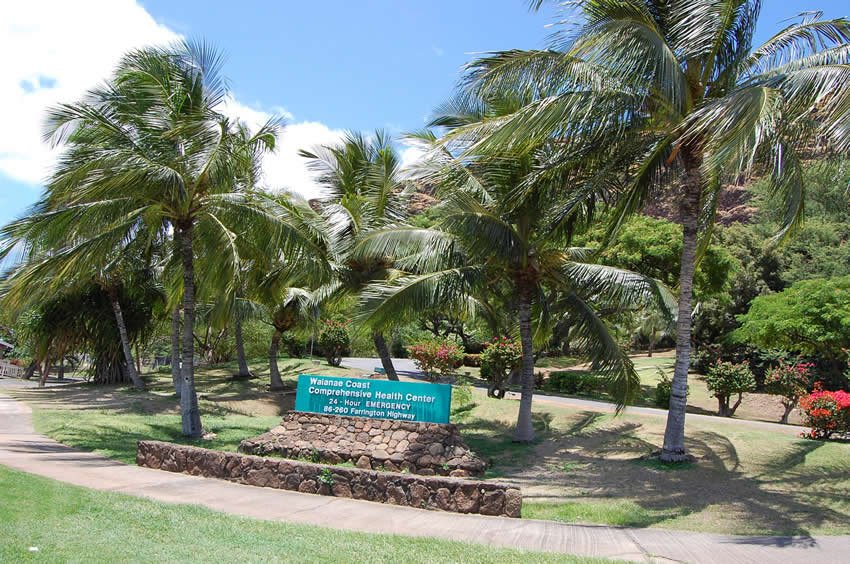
(362,193)
(499,227)
(149,156)
(673,93)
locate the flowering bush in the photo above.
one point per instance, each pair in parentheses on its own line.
(333,340)
(500,357)
(725,379)
(436,358)
(827,413)
(789,381)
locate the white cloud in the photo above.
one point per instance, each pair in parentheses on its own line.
(54,51)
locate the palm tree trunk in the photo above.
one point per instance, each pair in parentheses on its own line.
(674,434)
(175,351)
(384,354)
(244,372)
(125,345)
(30,370)
(191,415)
(651,346)
(524,431)
(274,373)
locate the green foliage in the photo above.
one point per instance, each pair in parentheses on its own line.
(653,247)
(726,379)
(663,389)
(812,317)
(256,335)
(574,382)
(334,339)
(500,358)
(436,357)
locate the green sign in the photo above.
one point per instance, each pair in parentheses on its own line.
(375,399)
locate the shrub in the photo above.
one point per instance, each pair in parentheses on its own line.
(472,360)
(294,347)
(573,382)
(789,381)
(501,357)
(725,379)
(334,339)
(436,358)
(663,389)
(827,413)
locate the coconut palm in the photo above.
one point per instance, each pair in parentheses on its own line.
(360,176)
(499,230)
(675,95)
(149,156)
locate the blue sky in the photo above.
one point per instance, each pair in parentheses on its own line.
(329,65)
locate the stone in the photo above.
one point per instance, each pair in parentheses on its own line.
(513,502)
(307,486)
(380,455)
(364,462)
(436,449)
(341,490)
(492,503)
(466,498)
(419,495)
(459,473)
(443,499)
(396,495)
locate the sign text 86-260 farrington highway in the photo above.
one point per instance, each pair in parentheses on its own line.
(375,399)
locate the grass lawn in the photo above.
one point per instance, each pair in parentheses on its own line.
(71,524)
(757,407)
(585,466)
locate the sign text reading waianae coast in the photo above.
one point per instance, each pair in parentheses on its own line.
(376,399)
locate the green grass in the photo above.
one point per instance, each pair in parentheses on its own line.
(115,435)
(71,524)
(622,513)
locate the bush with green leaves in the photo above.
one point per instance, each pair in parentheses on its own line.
(574,382)
(812,318)
(437,357)
(334,339)
(790,381)
(726,379)
(500,358)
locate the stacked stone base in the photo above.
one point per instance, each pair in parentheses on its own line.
(435,493)
(419,448)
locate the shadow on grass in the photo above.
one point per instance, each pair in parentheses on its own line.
(788,497)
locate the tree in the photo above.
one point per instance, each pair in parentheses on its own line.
(811,317)
(498,226)
(672,93)
(361,178)
(150,156)
(726,379)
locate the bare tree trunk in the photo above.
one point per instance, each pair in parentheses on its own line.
(45,372)
(244,371)
(30,370)
(175,352)
(125,345)
(651,346)
(138,360)
(61,374)
(191,414)
(674,434)
(384,354)
(524,430)
(789,407)
(276,383)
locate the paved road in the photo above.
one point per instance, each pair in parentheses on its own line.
(23,449)
(407,368)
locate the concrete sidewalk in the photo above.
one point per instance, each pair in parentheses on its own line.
(23,449)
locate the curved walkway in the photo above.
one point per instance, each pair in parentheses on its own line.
(24,449)
(406,368)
